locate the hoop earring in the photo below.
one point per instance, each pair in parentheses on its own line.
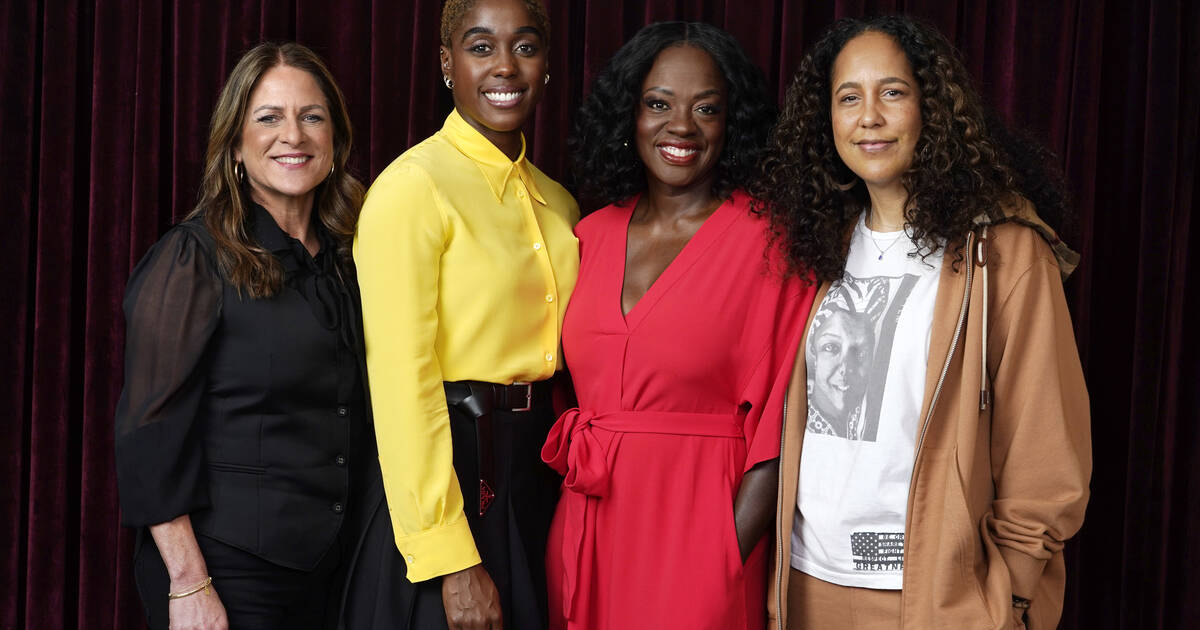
(448,81)
(331,167)
(239,171)
(845,187)
(546,81)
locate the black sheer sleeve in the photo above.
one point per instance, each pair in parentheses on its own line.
(172,308)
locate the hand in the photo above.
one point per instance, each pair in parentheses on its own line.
(471,600)
(754,506)
(201,611)
(185,565)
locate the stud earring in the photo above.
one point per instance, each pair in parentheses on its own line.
(448,81)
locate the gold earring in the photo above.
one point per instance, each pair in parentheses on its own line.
(239,171)
(448,81)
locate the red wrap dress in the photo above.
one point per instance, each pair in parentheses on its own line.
(677,400)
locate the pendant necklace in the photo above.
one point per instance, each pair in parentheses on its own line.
(882,250)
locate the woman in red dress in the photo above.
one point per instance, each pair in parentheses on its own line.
(678,338)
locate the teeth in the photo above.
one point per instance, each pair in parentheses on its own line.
(502,97)
(677,152)
(291,160)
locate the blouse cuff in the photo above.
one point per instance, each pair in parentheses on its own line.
(438,551)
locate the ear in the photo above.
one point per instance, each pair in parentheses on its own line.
(447,61)
(237,154)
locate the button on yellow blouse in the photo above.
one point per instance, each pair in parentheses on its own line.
(452,291)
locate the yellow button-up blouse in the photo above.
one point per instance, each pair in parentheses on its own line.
(466,261)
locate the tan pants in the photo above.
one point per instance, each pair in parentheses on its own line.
(815,604)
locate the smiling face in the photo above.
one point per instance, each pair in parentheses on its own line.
(497,60)
(841,351)
(286,141)
(680,121)
(876,111)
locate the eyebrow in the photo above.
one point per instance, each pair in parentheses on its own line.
(483,30)
(885,80)
(668,92)
(280,108)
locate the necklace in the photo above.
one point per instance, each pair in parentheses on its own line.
(882,250)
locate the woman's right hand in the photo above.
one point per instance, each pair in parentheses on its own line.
(186,568)
(200,611)
(471,600)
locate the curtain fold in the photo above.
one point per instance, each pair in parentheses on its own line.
(105,119)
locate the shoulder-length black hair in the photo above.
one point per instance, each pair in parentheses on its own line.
(606,165)
(966,162)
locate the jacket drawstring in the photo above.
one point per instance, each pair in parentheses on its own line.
(981,258)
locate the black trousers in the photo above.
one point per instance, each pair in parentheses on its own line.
(257,595)
(511,536)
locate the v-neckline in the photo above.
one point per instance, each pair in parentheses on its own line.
(682,261)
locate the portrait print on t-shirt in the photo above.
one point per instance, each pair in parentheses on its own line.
(848,351)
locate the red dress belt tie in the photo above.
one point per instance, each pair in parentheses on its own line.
(585,461)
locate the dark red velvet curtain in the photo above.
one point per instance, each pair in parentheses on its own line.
(105,108)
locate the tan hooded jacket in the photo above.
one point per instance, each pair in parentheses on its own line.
(1003,456)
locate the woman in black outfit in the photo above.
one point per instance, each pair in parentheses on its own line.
(243,422)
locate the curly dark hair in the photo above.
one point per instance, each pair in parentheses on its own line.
(453,12)
(606,165)
(966,162)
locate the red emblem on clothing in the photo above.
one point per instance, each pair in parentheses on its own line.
(485,497)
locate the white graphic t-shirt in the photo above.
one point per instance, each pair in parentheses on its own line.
(866,355)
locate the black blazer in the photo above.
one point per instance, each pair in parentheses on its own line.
(248,414)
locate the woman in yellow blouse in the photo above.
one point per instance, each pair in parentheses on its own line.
(466,260)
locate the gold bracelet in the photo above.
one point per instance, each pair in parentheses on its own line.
(203,586)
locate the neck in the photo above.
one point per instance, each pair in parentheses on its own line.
(669,202)
(887,210)
(508,142)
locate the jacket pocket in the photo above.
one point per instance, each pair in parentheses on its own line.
(238,468)
(971,554)
(956,573)
(235,516)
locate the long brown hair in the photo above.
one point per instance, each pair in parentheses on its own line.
(224,202)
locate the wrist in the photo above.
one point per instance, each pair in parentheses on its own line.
(204,586)
(464,572)
(187,579)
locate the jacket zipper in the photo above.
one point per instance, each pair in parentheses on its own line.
(937,391)
(780,613)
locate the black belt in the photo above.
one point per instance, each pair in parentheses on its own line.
(479,400)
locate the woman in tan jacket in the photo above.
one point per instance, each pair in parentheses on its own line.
(937,392)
